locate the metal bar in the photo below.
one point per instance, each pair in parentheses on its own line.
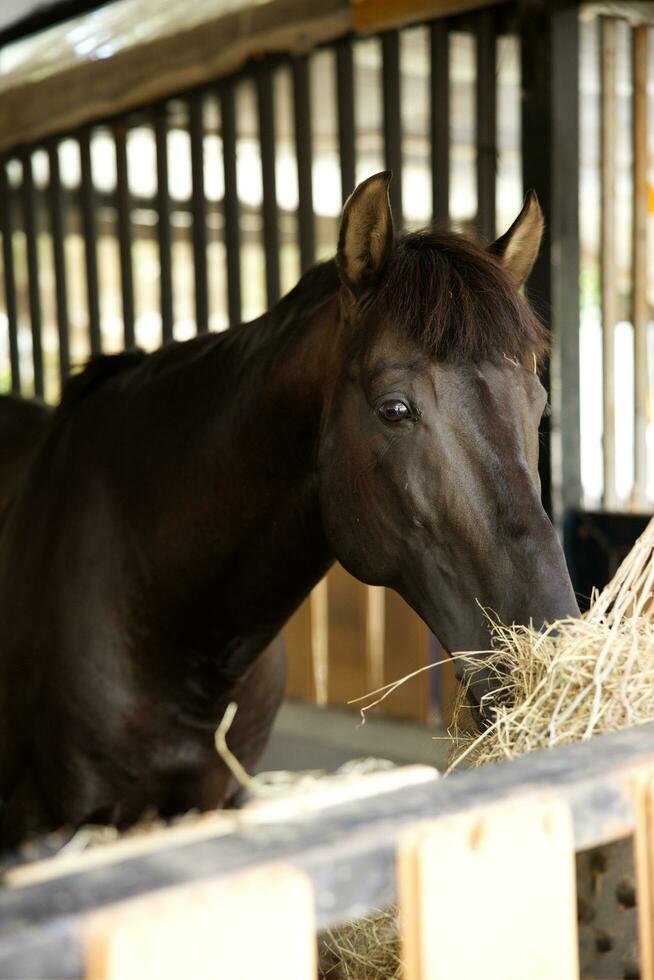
(230,204)
(89,231)
(486,124)
(266,107)
(31,242)
(58,230)
(11,308)
(392,119)
(303,149)
(536,127)
(198,204)
(163,224)
(439,123)
(639,314)
(124,234)
(345,105)
(564,253)
(608,257)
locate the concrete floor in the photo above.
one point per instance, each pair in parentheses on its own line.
(308,737)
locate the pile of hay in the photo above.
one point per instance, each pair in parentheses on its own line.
(579,678)
(365,949)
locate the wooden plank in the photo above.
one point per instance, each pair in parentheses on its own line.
(523,924)
(375,15)
(608,110)
(299,663)
(406,648)
(75,89)
(349,851)
(347,637)
(640,312)
(256,924)
(644,861)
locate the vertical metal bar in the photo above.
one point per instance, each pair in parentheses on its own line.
(270,212)
(303,149)
(564,253)
(89,231)
(537,135)
(639,293)
(608,258)
(392,119)
(549,67)
(124,234)
(198,208)
(58,231)
(486,124)
(31,242)
(231,206)
(163,224)
(7,228)
(345,101)
(439,123)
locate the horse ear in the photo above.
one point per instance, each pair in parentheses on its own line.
(366,236)
(518,247)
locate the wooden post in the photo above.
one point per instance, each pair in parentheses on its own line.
(644,860)
(490,894)
(255,924)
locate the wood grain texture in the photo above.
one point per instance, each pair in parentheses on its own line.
(406,648)
(644,861)
(91,88)
(256,924)
(349,851)
(490,894)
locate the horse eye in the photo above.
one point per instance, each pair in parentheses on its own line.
(394,411)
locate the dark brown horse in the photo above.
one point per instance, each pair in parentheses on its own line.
(182,504)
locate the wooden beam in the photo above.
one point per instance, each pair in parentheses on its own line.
(76,89)
(518,922)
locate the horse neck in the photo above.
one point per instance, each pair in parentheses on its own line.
(244,496)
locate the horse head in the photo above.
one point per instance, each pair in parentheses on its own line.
(428,456)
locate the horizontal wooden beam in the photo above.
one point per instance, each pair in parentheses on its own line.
(377,15)
(348,850)
(70,90)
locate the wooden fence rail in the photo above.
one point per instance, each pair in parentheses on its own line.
(240,896)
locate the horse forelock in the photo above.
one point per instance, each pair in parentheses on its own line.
(456,301)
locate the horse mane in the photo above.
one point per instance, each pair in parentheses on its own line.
(96,372)
(456,300)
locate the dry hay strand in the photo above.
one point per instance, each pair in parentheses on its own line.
(365,949)
(576,679)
